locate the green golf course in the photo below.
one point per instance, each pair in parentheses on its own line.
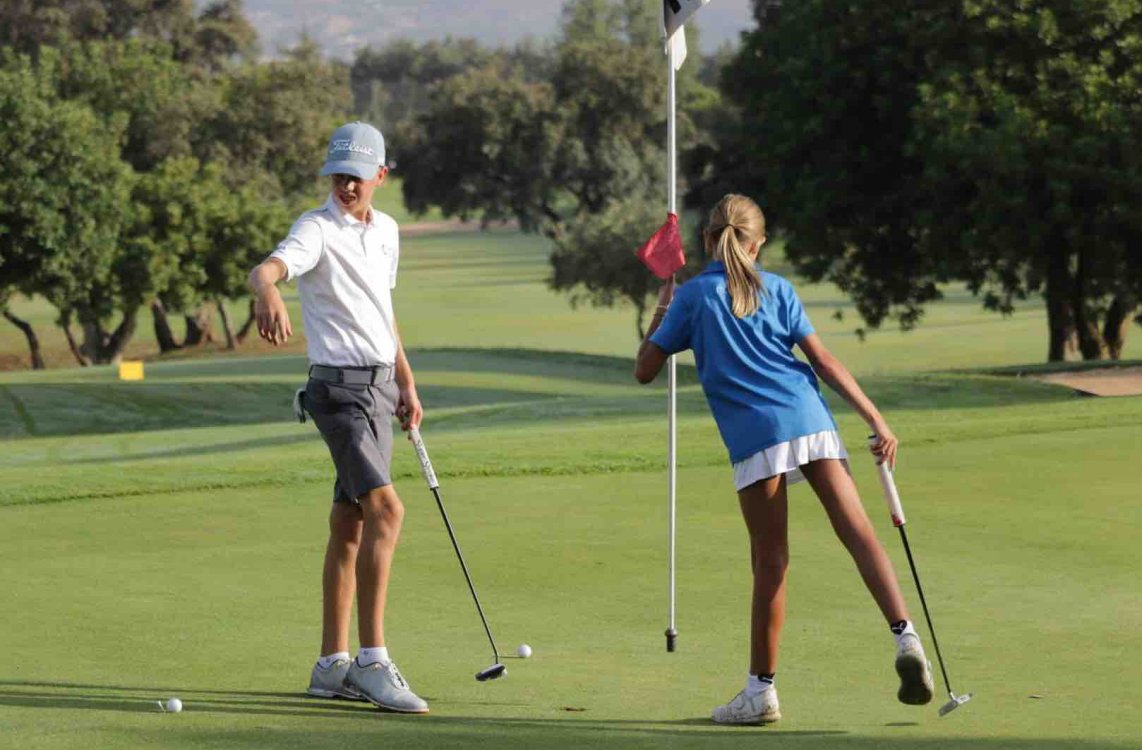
(164,538)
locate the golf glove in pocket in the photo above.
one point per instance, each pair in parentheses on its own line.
(299,405)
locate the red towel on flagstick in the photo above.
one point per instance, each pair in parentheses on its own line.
(662,253)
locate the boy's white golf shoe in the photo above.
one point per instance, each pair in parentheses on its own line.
(329,682)
(382,684)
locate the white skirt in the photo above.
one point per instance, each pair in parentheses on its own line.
(787,458)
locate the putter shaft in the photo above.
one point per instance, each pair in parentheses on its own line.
(433,483)
(467,575)
(924,605)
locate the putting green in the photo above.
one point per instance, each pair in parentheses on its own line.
(164,538)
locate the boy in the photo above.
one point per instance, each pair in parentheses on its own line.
(344,257)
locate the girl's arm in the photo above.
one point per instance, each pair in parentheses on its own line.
(651,357)
(836,375)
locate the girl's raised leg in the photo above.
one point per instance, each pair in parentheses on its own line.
(837,492)
(835,488)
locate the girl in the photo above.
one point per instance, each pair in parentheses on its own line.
(742,324)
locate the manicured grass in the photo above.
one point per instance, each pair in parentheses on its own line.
(177,553)
(165,538)
(488,290)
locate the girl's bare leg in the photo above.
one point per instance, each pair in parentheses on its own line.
(837,492)
(764,507)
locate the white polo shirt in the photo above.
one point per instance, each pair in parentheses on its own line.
(345,270)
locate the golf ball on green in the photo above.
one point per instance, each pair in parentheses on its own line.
(174,705)
(524,651)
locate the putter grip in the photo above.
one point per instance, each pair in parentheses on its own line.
(422,454)
(891,496)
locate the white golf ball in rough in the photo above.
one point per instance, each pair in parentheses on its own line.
(524,651)
(174,705)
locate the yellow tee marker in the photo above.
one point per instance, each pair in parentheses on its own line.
(131,370)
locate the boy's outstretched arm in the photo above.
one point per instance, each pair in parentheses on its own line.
(837,376)
(269,307)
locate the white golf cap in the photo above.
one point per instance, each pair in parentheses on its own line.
(356,149)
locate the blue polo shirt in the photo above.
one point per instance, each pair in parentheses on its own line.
(759,392)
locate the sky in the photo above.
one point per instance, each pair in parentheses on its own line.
(341,26)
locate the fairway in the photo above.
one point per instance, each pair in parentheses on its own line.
(164,538)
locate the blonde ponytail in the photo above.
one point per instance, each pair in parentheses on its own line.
(735,225)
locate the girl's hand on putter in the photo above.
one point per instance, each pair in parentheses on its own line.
(271,316)
(409,410)
(884,448)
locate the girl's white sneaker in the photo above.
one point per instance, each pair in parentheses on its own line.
(915,672)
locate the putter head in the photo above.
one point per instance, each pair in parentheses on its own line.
(493,672)
(954,702)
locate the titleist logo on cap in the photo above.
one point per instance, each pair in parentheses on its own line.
(350,146)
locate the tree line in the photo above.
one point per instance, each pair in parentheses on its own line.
(155,154)
(993,142)
(150,160)
(896,147)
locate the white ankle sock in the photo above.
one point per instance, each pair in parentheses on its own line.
(367,656)
(755,685)
(327,661)
(898,633)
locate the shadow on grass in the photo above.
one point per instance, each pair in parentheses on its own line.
(54,409)
(268,704)
(233,446)
(590,368)
(50,408)
(354,722)
(1048,368)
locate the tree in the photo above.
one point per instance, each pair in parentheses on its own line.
(63,201)
(826,95)
(224,34)
(391,84)
(486,147)
(27,26)
(276,118)
(915,144)
(192,241)
(238,238)
(163,102)
(590,264)
(210,140)
(578,157)
(1037,132)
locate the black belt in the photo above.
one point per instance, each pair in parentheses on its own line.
(354,375)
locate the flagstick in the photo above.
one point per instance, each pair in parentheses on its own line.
(671,384)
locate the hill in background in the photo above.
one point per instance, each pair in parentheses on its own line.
(342,26)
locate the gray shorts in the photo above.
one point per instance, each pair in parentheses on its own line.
(356,423)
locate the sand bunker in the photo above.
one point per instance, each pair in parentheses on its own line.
(1111,381)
